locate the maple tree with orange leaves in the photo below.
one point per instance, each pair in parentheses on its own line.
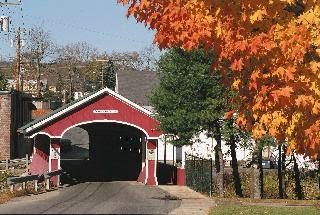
(272,48)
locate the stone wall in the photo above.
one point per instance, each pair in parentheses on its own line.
(5,125)
(15,111)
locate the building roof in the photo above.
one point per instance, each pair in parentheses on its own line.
(40,112)
(75,104)
(137,85)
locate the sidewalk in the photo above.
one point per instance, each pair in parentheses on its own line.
(192,202)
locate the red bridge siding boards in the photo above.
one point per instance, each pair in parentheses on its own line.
(126,114)
(55,164)
(39,163)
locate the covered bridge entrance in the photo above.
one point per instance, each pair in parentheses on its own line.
(122,137)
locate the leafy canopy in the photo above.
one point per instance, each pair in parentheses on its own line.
(272,48)
(96,73)
(109,75)
(190,97)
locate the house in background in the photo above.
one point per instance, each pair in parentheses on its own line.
(29,85)
(136,86)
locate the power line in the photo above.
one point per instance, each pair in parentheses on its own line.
(9,22)
(14,25)
(85,29)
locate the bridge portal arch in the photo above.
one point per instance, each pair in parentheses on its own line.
(106,115)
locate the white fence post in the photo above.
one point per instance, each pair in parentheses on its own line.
(36,185)
(48,183)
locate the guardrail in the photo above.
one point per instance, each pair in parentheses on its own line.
(47,176)
(11,181)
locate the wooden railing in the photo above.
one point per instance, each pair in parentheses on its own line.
(49,175)
(12,181)
(7,164)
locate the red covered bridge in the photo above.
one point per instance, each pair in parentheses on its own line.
(108,118)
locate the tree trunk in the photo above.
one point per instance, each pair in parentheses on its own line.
(260,172)
(280,173)
(256,191)
(319,171)
(257,175)
(298,187)
(283,164)
(38,79)
(165,150)
(235,171)
(219,162)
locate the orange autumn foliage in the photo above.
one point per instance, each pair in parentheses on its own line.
(272,48)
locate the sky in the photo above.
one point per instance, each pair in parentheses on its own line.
(102,23)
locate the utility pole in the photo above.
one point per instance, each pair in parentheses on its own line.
(18,41)
(18,58)
(102,76)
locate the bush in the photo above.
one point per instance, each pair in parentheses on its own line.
(270,184)
(3,180)
(309,181)
(4,176)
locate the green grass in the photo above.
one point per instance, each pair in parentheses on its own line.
(257,210)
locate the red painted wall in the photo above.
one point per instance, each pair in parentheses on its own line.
(40,163)
(181,176)
(125,113)
(152,174)
(55,166)
(142,175)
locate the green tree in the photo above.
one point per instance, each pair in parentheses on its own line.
(190,98)
(109,75)
(95,73)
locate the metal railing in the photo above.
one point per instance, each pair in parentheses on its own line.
(199,174)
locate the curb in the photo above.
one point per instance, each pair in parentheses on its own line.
(192,202)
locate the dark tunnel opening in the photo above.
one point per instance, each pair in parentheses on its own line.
(113,152)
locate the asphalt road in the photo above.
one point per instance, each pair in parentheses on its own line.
(96,198)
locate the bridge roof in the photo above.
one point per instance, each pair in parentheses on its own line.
(53,116)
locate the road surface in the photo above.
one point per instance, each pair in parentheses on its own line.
(96,198)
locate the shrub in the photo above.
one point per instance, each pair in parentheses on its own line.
(309,181)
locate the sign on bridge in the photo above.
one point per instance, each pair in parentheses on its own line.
(105,111)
